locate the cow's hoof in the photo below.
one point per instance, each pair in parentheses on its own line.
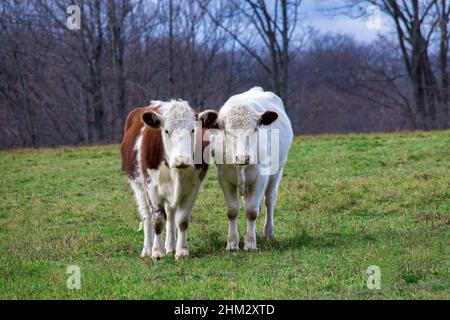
(146,252)
(250,246)
(233,246)
(269,236)
(157,255)
(181,253)
(170,251)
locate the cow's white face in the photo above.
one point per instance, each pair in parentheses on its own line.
(178,124)
(240,127)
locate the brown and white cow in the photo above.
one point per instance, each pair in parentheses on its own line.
(158,157)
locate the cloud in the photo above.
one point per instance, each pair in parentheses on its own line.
(314,15)
(354,27)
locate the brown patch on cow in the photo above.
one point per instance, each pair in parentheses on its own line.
(251,215)
(159,219)
(232,213)
(183,225)
(209,119)
(152,151)
(203,166)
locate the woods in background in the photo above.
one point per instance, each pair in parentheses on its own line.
(61,86)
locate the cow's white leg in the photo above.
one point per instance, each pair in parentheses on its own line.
(252,213)
(170,231)
(159,221)
(148,237)
(232,200)
(252,200)
(270,198)
(182,221)
(159,218)
(146,217)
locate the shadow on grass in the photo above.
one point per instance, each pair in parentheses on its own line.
(326,240)
(215,245)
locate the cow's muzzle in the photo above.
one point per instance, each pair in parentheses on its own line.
(182,162)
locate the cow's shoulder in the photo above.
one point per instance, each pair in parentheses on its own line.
(134,127)
(152,149)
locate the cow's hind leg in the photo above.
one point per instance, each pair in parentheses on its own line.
(146,217)
(270,197)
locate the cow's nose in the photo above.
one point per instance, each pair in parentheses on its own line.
(243,160)
(182,162)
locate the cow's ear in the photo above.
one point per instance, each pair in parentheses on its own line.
(152,119)
(267,117)
(208,119)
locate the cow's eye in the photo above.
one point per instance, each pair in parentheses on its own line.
(192,131)
(166,131)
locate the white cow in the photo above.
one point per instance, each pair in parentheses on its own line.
(247,175)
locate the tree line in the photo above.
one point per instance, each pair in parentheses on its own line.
(61,86)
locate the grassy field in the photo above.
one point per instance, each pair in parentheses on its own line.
(345,203)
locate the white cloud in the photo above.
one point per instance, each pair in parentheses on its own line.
(315,16)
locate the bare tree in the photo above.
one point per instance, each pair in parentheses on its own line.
(416,23)
(117,12)
(82,52)
(171,49)
(443,11)
(60,86)
(275,23)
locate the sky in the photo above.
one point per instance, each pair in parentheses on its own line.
(364,28)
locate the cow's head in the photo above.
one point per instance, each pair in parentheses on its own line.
(240,126)
(177,122)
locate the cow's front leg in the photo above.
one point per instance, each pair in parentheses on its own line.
(250,236)
(252,202)
(159,221)
(170,231)
(232,200)
(182,221)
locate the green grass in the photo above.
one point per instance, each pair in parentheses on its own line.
(345,203)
